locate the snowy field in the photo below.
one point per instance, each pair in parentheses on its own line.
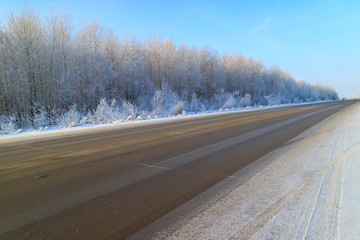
(308,189)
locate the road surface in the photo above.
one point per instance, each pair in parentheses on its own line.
(110,183)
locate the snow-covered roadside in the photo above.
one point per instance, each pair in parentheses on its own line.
(76,128)
(308,189)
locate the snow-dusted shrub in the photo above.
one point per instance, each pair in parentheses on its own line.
(7,124)
(203,108)
(195,104)
(130,110)
(229,103)
(273,100)
(70,118)
(40,118)
(86,119)
(245,101)
(143,103)
(217,101)
(163,101)
(145,114)
(157,103)
(104,112)
(178,108)
(171,99)
(7,128)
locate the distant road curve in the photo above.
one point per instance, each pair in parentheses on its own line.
(110,183)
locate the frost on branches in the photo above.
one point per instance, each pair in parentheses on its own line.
(52,77)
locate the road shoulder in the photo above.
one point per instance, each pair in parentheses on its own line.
(305,189)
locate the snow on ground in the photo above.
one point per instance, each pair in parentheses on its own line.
(308,189)
(76,128)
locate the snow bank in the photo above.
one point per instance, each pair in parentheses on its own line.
(69,123)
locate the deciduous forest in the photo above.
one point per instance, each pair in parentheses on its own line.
(51,75)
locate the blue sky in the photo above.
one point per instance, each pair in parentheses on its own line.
(314,40)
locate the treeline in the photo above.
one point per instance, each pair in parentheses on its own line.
(47,68)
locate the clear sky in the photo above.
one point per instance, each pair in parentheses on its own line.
(314,40)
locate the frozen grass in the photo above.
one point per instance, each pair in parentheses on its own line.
(104,116)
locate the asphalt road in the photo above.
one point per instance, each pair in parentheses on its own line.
(110,183)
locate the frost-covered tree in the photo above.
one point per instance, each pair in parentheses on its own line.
(45,67)
(25,63)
